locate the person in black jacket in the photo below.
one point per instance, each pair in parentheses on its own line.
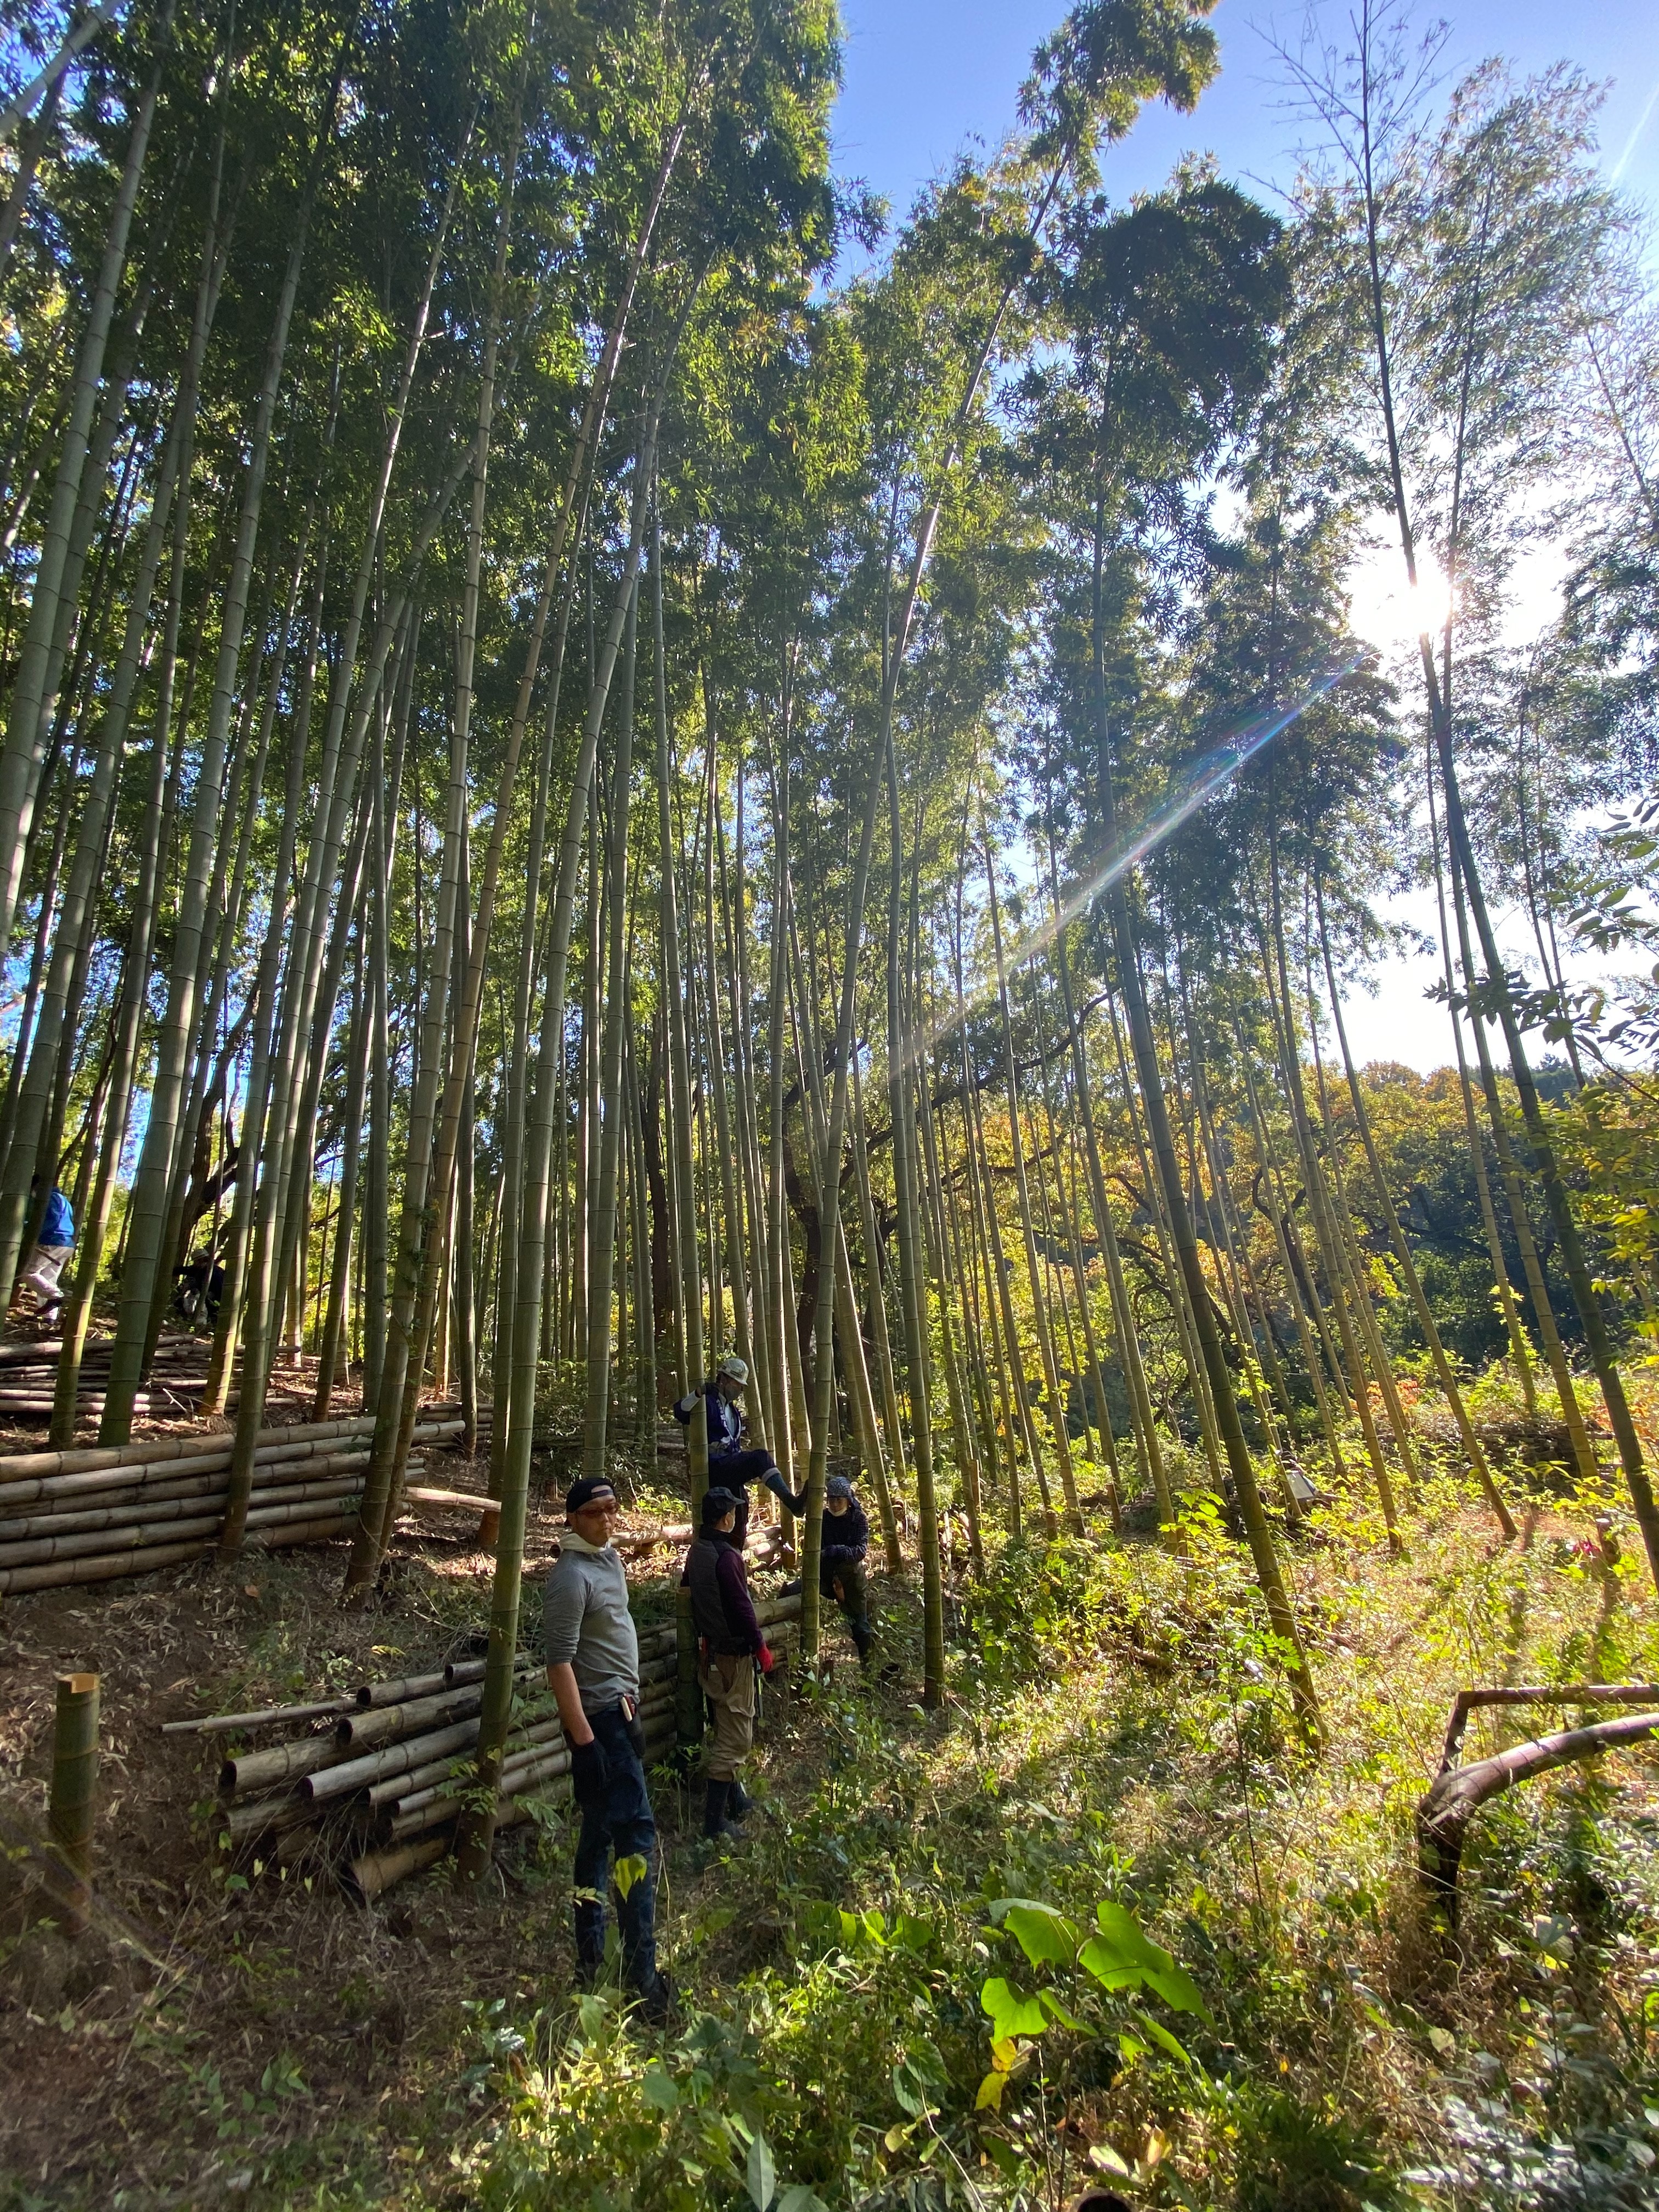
(729,1465)
(729,1646)
(845,1540)
(841,1560)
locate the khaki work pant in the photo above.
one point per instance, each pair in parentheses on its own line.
(728,1683)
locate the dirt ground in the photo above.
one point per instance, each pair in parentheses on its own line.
(214,2007)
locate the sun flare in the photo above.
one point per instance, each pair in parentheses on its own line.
(1385,609)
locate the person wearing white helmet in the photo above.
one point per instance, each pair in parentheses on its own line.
(730,1464)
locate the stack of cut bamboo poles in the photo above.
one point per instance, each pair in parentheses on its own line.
(374,1781)
(98,1514)
(28,1376)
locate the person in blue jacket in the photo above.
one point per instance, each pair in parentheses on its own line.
(51,1251)
(730,1466)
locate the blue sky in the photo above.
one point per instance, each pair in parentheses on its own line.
(926,77)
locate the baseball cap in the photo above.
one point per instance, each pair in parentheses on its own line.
(585,1489)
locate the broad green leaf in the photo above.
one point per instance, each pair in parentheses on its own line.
(1108,1966)
(1055,2011)
(1124,1957)
(1046,1936)
(628,1872)
(761,2175)
(797,2197)
(1011,2013)
(1164,2040)
(1178,1990)
(660,2089)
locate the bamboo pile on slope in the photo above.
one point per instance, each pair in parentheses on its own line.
(373,1783)
(28,1375)
(105,1512)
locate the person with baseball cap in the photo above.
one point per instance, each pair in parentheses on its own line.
(730,1647)
(593,1671)
(729,1464)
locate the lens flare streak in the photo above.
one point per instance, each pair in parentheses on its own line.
(1206,776)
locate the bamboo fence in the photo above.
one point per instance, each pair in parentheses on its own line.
(371,1785)
(101,1513)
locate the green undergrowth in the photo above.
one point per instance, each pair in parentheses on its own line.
(865,2027)
(1100,1918)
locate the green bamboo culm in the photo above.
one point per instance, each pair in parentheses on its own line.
(73,1800)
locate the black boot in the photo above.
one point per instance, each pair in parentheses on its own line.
(862,1637)
(738,1800)
(590,1943)
(714,1823)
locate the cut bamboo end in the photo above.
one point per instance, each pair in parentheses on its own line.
(372,1876)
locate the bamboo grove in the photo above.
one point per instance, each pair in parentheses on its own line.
(581,788)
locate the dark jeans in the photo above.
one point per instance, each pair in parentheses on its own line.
(736,1470)
(852,1596)
(624,1825)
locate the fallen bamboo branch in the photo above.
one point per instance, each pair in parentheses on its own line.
(1443,1814)
(1561,1694)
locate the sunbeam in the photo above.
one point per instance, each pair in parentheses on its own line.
(1209,773)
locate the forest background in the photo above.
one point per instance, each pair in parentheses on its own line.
(611,755)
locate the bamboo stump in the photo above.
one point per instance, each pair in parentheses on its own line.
(73,1800)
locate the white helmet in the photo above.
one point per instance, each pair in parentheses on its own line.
(735,1369)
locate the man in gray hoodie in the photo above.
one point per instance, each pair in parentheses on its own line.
(594,1672)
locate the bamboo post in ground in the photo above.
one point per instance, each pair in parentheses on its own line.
(74,1799)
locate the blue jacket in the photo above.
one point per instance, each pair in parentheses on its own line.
(58,1227)
(724,1420)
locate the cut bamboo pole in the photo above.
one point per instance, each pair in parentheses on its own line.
(74,1799)
(361,1730)
(145,1511)
(372,1876)
(91,1533)
(152,1451)
(165,1477)
(230,1724)
(398,1789)
(262,1816)
(59,1574)
(338,1778)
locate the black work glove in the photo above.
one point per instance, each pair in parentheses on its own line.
(590,1773)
